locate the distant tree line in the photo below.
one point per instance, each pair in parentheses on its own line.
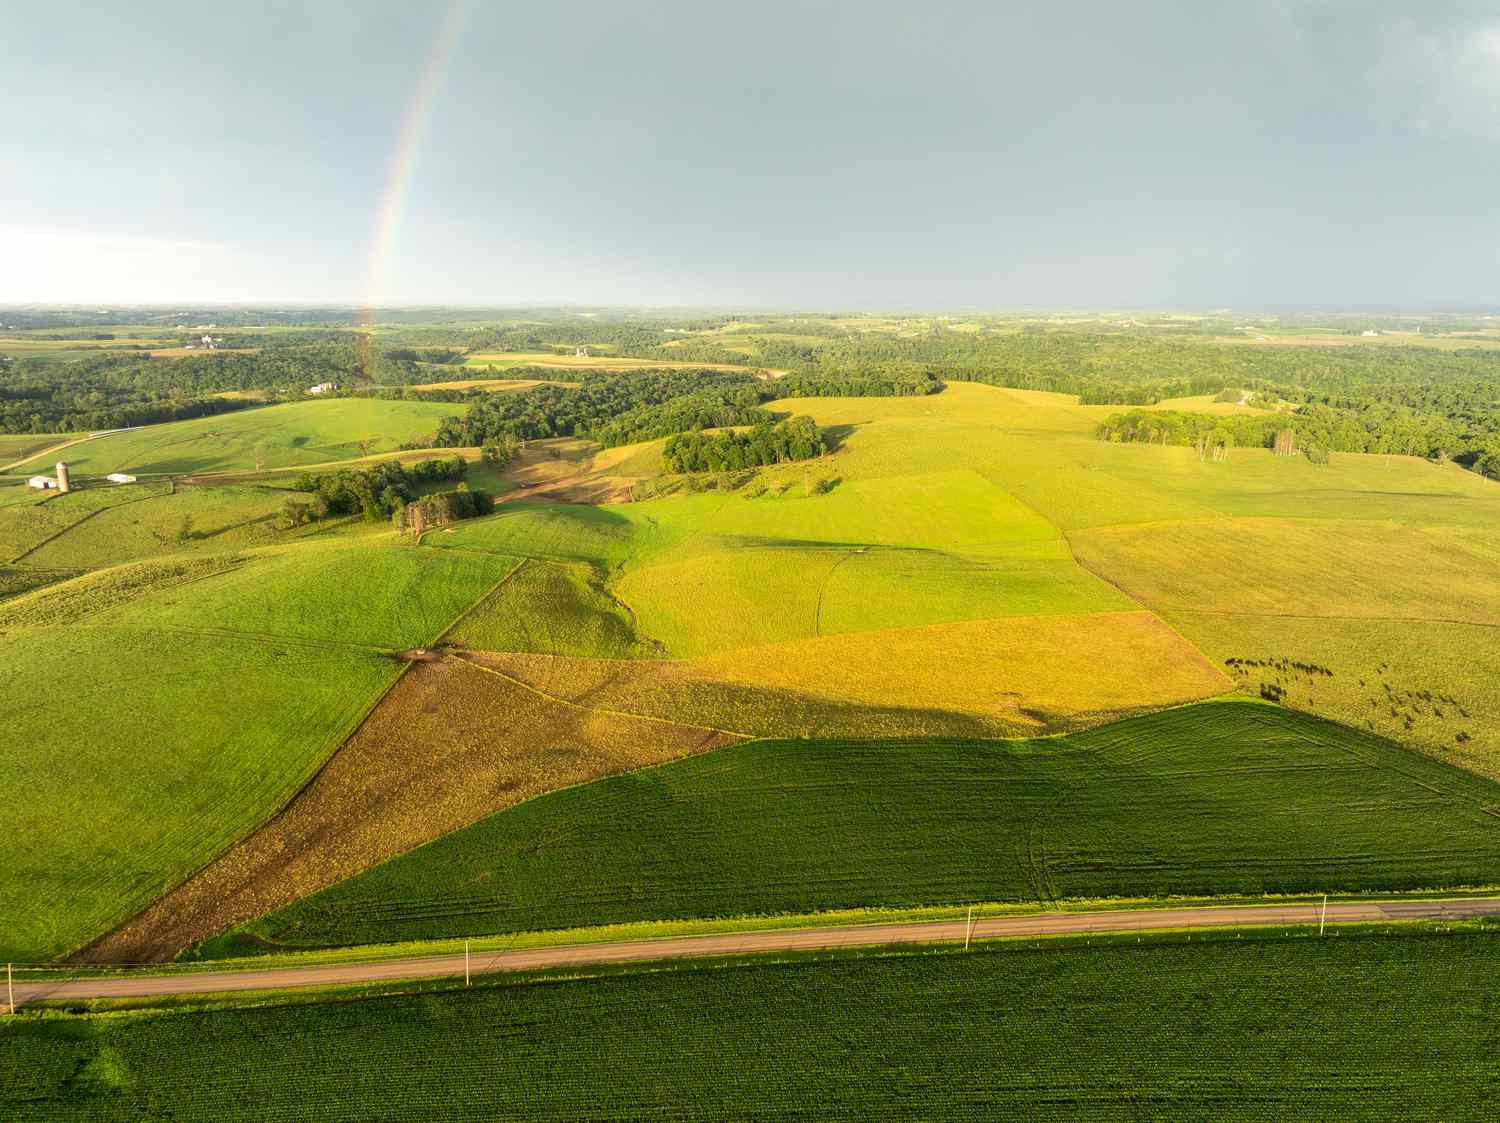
(600,398)
(1318,429)
(856,382)
(1390,398)
(795,439)
(112,390)
(708,409)
(615,408)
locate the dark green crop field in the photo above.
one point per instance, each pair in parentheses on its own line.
(1212,799)
(1353,1027)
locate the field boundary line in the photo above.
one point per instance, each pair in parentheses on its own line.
(1158,614)
(462,658)
(1333,616)
(483,597)
(823,587)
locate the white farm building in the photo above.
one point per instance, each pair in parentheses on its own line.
(323,387)
(41,482)
(120,478)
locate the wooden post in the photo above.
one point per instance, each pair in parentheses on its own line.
(10,989)
(969,931)
(1323,919)
(466,963)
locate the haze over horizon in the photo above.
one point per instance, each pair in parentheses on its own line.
(830,154)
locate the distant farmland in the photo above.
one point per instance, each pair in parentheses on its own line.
(286,436)
(500,360)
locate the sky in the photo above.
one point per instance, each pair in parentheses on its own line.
(792,155)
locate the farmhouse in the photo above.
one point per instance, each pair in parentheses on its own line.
(323,388)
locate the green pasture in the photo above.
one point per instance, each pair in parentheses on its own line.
(288,435)
(1259,556)
(33,522)
(15,580)
(213,519)
(711,572)
(735,596)
(134,758)
(14,492)
(552,609)
(16,446)
(1334,568)
(1221,798)
(1350,1027)
(162,710)
(605,536)
(370,595)
(1434,685)
(1039,448)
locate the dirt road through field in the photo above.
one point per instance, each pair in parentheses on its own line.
(736,943)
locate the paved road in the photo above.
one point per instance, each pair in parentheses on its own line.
(729,943)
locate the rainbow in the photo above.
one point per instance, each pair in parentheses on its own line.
(403,157)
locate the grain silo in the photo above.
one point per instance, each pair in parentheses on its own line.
(63,483)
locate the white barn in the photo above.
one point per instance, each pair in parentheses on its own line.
(42,482)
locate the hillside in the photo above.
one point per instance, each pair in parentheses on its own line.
(963,565)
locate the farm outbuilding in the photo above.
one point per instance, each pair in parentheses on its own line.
(41,482)
(120,478)
(323,387)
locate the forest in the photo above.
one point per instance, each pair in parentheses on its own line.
(112,390)
(1317,428)
(1392,398)
(632,402)
(795,439)
(377,492)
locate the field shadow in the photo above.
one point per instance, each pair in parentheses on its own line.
(834,436)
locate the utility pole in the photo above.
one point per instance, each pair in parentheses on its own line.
(1323,919)
(466,963)
(969,930)
(10,989)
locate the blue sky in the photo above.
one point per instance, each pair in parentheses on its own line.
(816,154)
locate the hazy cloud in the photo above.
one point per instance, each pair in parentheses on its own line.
(821,152)
(1451,75)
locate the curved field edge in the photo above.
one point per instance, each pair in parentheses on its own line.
(1242,1026)
(1211,799)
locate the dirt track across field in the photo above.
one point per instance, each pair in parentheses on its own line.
(738,943)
